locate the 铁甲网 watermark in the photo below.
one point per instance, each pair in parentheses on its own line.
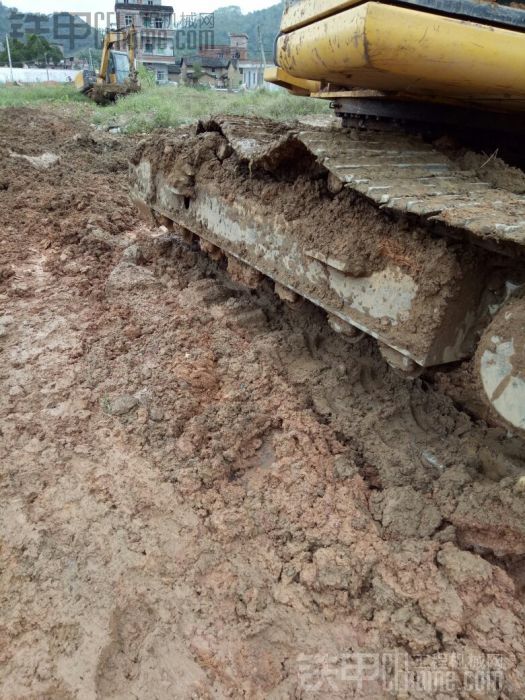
(72,30)
(397,671)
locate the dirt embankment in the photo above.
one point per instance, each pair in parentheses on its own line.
(207,495)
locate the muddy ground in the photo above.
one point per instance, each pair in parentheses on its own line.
(206,494)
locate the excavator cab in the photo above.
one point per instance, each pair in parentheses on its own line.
(119,67)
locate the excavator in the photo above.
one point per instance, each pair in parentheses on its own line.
(403,219)
(117,76)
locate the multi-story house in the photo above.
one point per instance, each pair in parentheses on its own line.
(236,49)
(155,33)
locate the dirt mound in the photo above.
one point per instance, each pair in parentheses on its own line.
(206,494)
(79,190)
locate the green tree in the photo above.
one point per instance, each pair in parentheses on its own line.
(17,53)
(197,73)
(231,19)
(37,49)
(91,55)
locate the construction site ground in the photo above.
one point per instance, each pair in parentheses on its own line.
(206,493)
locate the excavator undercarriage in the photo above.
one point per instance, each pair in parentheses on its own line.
(387,222)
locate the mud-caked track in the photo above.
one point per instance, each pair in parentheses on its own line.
(392,234)
(207,493)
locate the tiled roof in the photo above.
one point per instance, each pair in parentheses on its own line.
(206,61)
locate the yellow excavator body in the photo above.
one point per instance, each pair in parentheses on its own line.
(404,50)
(117,75)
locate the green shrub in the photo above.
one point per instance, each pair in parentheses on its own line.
(146,77)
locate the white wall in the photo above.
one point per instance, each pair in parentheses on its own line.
(271,86)
(37,75)
(252,77)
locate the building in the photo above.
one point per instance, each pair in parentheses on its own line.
(223,66)
(216,66)
(239,44)
(213,71)
(252,76)
(155,33)
(237,49)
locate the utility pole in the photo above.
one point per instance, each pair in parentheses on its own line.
(9,57)
(263,55)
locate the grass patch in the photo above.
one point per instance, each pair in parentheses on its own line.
(170,106)
(27,95)
(165,106)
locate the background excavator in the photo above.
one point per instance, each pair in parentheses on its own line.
(117,76)
(406,221)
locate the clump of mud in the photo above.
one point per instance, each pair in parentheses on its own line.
(494,170)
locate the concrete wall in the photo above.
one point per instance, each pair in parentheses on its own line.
(37,75)
(271,86)
(252,77)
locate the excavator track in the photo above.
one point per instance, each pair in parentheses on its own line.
(397,172)
(384,231)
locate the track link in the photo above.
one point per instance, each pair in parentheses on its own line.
(383,231)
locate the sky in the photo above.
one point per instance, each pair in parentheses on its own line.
(104,6)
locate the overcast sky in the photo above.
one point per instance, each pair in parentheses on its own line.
(186,6)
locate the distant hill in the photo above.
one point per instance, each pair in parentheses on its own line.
(63,28)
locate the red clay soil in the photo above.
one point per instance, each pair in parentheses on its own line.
(208,495)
